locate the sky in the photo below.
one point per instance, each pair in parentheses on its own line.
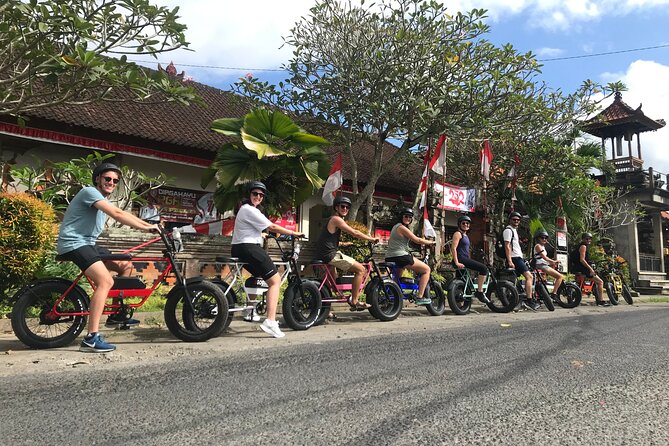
(232,38)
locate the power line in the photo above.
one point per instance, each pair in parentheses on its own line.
(604,54)
(583,56)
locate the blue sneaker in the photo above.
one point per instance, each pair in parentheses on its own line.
(423,301)
(95,344)
(116,320)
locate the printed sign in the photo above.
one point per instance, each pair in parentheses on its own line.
(383,235)
(287,220)
(455,198)
(561,239)
(180,205)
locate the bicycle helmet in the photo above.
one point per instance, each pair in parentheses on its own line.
(515,214)
(105,167)
(464,218)
(540,233)
(257,185)
(341,200)
(586,235)
(405,211)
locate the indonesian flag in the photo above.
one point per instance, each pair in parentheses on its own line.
(428,229)
(486,158)
(438,161)
(216,227)
(423,182)
(333,182)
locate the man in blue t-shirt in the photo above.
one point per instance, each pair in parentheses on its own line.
(82,224)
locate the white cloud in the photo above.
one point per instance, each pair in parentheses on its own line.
(549,52)
(646,83)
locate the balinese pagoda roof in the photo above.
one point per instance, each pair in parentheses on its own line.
(620,119)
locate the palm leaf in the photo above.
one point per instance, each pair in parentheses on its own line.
(228,126)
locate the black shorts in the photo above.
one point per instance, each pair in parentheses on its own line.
(473,265)
(257,261)
(85,256)
(401,261)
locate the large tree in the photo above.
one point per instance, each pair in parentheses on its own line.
(407,70)
(75,51)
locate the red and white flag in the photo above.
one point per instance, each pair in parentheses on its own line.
(333,182)
(428,229)
(438,161)
(216,227)
(486,159)
(423,183)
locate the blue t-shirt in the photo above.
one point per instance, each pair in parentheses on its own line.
(82,223)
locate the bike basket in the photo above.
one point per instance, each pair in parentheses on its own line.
(344,280)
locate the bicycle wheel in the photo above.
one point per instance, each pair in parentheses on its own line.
(230,296)
(326,308)
(32,318)
(459,303)
(301,305)
(503,298)
(545,295)
(436,293)
(208,319)
(569,296)
(627,294)
(386,300)
(611,292)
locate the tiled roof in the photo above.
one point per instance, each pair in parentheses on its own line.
(617,117)
(176,128)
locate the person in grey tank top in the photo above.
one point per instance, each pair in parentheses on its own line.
(398,252)
(545,263)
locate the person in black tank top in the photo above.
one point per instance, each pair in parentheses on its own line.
(328,249)
(582,265)
(460,251)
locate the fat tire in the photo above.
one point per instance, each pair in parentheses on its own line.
(457,301)
(570,296)
(438,305)
(627,294)
(42,295)
(187,327)
(301,309)
(611,292)
(325,307)
(545,296)
(503,298)
(386,300)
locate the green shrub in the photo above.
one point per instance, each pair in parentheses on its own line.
(27,235)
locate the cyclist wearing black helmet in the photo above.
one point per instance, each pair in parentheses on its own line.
(460,250)
(398,252)
(545,263)
(247,246)
(82,224)
(580,263)
(328,249)
(514,257)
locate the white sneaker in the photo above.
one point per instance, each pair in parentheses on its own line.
(272,328)
(250,316)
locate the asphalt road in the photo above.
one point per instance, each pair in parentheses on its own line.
(591,376)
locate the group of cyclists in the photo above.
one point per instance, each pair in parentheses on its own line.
(85,216)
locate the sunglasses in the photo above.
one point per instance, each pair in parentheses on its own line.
(407,216)
(465,223)
(515,219)
(344,206)
(543,237)
(257,194)
(111,180)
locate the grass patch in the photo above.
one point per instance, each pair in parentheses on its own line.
(652,299)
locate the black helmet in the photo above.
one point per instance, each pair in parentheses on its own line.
(464,218)
(540,233)
(586,235)
(341,200)
(257,185)
(515,214)
(405,211)
(105,167)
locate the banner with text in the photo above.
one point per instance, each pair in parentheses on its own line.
(455,198)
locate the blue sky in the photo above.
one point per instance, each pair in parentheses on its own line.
(225,33)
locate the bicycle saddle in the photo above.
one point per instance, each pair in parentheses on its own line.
(224,259)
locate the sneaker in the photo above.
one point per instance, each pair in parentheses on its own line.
(602,303)
(272,328)
(250,316)
(530,305)
(95,344)
(482,297)
(423,301)
(116,319)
